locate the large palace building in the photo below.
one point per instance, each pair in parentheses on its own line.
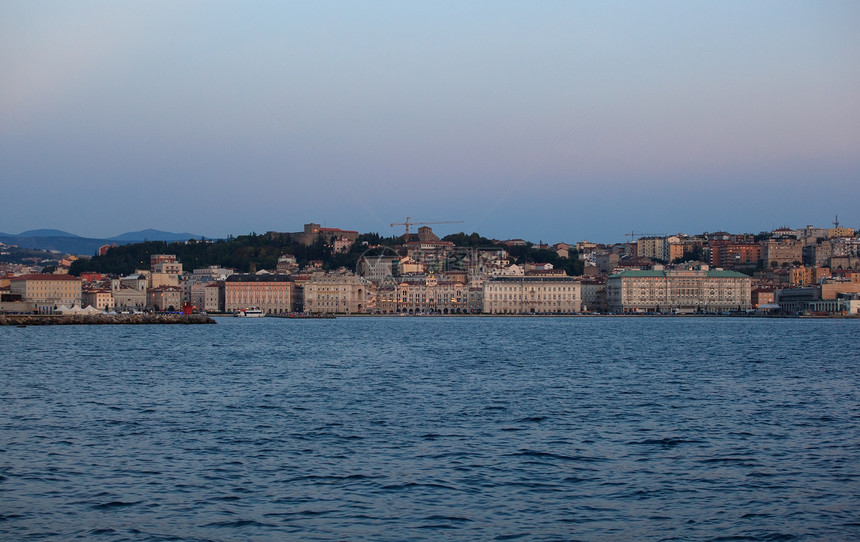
(680,290)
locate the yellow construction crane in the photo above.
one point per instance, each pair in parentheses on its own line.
(408,223)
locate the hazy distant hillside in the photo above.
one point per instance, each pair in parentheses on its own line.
(46,239)
(46,233)
(71,245)
(154,235)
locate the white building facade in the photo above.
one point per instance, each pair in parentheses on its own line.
(680,290)
(532,295)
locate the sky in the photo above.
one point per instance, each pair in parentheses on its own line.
(548,121)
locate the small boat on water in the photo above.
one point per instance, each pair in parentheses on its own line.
(253,312)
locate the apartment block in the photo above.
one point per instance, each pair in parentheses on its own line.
(782,251)
(733,255)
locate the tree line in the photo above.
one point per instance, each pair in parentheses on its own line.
(252,252)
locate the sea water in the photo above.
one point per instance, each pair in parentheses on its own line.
(432,428)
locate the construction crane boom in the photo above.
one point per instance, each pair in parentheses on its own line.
(634,234)
(408,223)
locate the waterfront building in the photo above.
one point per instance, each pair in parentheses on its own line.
(762,296)
(590,292)
(194,285)
(164,298)
(532,295)
(100,298)
(338,293)
(423,294)
(274,294)
(832,287)
(797,300)
(47,291)
(127,298)
(212,296)
(677,290)
(816,300)
(194,292)
(474,299)
(851,303)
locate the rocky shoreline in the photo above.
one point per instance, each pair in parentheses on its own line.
(101,319)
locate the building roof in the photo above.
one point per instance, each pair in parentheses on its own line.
(259,278)
(713,273)
(45,276)
(719,273)
(336,230)
(532,278)
(638,273)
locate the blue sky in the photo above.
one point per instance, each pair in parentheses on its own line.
(553,121)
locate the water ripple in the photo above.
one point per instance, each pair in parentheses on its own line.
(432,428)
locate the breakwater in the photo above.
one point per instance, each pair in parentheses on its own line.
(101,319)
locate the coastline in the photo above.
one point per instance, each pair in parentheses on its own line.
(102,319)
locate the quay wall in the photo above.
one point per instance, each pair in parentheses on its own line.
(101,319)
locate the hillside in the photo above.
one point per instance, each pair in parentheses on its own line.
(69,243)
(253,252)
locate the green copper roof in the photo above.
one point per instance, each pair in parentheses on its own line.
(727,274)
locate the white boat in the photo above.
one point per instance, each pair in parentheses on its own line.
(253,312)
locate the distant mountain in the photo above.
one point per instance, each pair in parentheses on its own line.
(154,235)
(65,244)
(46,233)
(74,244)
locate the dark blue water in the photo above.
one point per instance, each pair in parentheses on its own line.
(432,428)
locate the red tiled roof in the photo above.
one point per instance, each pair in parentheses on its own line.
(333,230)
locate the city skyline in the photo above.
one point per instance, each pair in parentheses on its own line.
(550,122)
